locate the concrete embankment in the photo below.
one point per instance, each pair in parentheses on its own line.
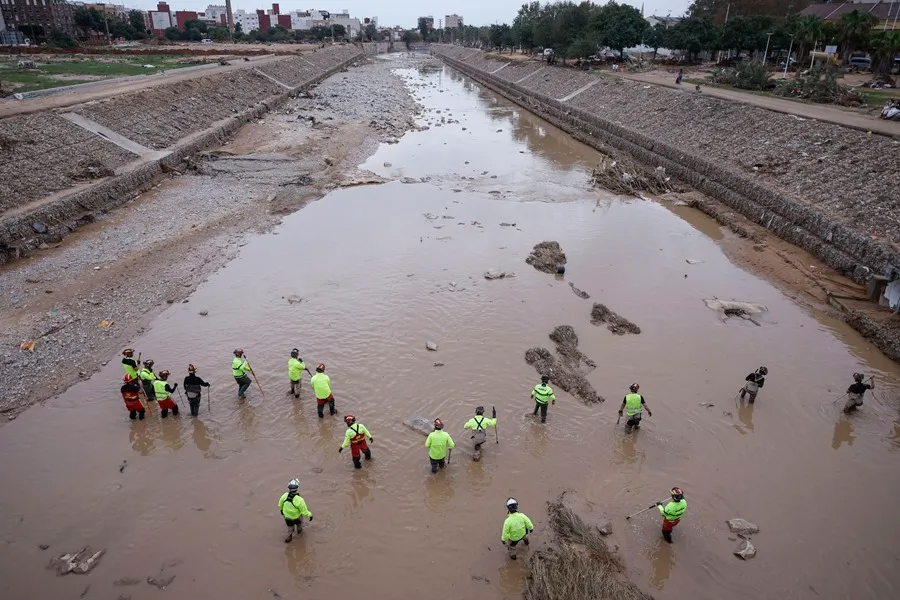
(828,189)
(62,166)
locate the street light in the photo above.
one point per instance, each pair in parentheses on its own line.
(787,61)
(766,53)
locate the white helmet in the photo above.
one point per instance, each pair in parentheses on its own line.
(512,504)
(294,485)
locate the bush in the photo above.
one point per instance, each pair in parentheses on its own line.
(746,75)
(819,85)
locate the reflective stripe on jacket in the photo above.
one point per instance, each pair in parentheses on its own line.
(633,404)
(543,393)
(673,511)
(160,391)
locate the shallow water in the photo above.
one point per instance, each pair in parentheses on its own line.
(378,278)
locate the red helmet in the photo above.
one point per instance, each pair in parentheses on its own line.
(128,378)
(677,494)
(163,374)
(438,424)
(128,351)
(350,419)
(320,368)
(238,351)
(634,387)
(192,369)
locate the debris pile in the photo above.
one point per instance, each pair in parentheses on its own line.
(546,257)
(566,372)
(580,293)
(621,176)
(617,324)
(79,562)
(578,565)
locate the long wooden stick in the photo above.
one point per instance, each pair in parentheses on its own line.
(255,378)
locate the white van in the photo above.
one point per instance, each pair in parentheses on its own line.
(206,41)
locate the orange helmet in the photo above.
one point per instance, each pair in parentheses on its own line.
(320,368)
(128,351)
(634,387)
(163,374)
(192,369)
(238,351)
(128,378)
(438,424)
(677,494)
(350,419)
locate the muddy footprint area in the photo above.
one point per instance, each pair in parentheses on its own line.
(72,305)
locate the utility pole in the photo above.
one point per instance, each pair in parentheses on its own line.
(787,61)
(229,20)
(766,53)
(106,23)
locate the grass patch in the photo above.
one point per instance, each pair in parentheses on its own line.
(92,69)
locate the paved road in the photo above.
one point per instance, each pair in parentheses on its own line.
(820,112)
(121,85)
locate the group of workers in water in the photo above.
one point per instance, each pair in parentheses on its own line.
(142,387)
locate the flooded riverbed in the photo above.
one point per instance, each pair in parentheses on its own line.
(382,269)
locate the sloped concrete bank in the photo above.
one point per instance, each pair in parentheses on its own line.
(172,123)
(837,242)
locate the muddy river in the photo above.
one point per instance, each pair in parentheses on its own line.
(380,270)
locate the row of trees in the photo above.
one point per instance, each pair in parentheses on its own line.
(94,23)
(733,26)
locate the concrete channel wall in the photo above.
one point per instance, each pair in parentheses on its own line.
(47,156)
(836,239)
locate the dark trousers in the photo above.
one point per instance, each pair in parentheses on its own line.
(136,414)
(195,405)
(243,383)
(633,421)
(295,388)
(320,407)
(149,391)
(435,464)
(543,408)
(165,412)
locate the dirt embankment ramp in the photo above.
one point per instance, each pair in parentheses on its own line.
(52,172)
(828,189)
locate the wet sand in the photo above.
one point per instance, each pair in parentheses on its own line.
(376,276)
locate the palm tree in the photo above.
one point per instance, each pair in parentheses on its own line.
(807,31)
(856,30)
(885,46)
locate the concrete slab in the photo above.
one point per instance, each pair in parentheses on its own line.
(531,75)
(579,90)
(272,79)
(108,134)
(501,68)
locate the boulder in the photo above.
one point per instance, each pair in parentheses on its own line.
(745,550)
(497,274)
(742,528)
(429,345)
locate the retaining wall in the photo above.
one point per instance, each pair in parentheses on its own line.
(836,239)
(43,149)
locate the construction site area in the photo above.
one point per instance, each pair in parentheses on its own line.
(439,229)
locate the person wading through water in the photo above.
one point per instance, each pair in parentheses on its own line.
(753,383)
(164,395)
(516,528)
(131,395)
(239,369)
(479,424)
(293,508)
(856,391)
(296,366)
(321,384)
(672,512)
(542,394)
(355,437)
(439,443)
(130,363)
(147,379)
(634,406)
(193,389)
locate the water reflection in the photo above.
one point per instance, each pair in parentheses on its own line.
(438,489)
(626,450)
(171,432)
(141,438)
(513,572)
(745,416)
(299,556)
(201,436)
(843,433)
(247,420)
(662,559)
(362,484)
(478,477)
(538,437)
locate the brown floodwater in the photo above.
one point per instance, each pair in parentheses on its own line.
(378,278)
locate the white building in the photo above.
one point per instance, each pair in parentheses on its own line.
(452,21)
(249,20)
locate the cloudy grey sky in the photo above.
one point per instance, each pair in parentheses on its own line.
(406,12)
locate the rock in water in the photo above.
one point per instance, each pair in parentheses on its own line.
(742,528)
(429,345)
(745,550)
(497,274)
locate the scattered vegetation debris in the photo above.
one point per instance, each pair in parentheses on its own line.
(581,294)
(546,257)
(622,176)
(617,324)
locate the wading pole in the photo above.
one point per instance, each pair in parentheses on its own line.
(255,378)
(652,506)
(496,434)
(844,395)
(449,454)
(208,403)
(180,397)
(141,388)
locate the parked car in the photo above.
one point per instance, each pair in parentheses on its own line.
(859,63)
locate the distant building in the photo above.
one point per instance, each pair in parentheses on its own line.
(429,22)
(37,18)
(160,19)
(248,21)
(452,21)
(110,9)
(654,20)
(886,12)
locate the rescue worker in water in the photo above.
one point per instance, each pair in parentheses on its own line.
(479,424)
(164,395)
(296,366)
(131,395)
(321,384)
(293,508)
(856,391)
(355,437)
(753,383)
(633,405)
(193,385)
(130,363)
(147,379)
(672,512)
(542,394)
(439,444)
(516,528)
(239,369)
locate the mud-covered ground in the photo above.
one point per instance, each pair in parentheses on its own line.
(81,301)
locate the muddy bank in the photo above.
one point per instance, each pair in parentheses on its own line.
(164,125)
(81,300)
(835,231)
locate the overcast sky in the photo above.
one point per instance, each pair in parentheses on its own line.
(406,12)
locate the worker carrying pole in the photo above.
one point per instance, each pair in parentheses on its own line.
(439,444)
(633,405)
(542,394)
(239,369)
(164,394)
(131,390)
(147,379)
(856,391)
(672,512)
(293,508)
(516,527)
(355,437)
(193,389)
(296,366)
(753,383)
(479,424)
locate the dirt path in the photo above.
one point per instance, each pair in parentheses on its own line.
(818,112)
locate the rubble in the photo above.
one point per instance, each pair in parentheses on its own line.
(617,324)
(624,176)
(745,550)
(546,257)
(566,373)
(80,562)
(581,294)
(742,527)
